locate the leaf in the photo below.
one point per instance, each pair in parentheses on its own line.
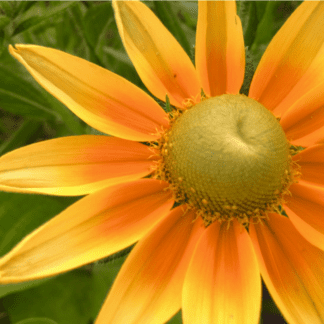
(118,54)
(4,21)
(21,98)
(72,298)
(25,5)
(250,21)
(36,20)
(20,214)
(275,14)
(8,7)
(28,23)
(164,11)
(20,136)
(95,22)
(37,321)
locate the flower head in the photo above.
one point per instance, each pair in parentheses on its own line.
(223,188)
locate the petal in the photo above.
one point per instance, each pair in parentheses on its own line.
(305,210)
(148,286)
(305,117)
(311,162)
(75,165)
(160,61)
(293,63)
(92,228)
(315,137)
(220,58)
(223,283)
(292,269)
(101,98)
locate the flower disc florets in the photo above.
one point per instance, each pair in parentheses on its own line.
(227,157)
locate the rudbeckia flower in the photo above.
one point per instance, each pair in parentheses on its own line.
(220,191)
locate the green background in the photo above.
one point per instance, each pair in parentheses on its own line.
(29,114)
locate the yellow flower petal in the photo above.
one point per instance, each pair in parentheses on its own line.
(292,269)
(92,228)
(305,117)
(223,283)
(160,61)
(148,286)
(293,63)
(311,161)
(305,210)
(74,165)
(101,98)
(220,58)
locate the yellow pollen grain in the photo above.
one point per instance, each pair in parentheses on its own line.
(204,201)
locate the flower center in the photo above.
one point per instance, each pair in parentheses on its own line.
(227,157)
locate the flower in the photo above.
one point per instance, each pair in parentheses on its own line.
(251,200)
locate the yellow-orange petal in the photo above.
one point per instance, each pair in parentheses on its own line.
(292,269)
(101,98)
(305,117)
(74,165)
(148,286)
(293,63)
(220,58)
(93,228)
(311,162)
(305,210)
(313,138)
(160,61)
(223,282)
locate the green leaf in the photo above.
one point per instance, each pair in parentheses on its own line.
(25,5)
(28,23)
(274,16)
(119,55)
(2,39)
(20,214)
(72,298)
(36,20)
(13,288)
(4,21)
(21,98)
(96,20)
(26,98)
(164,11)
(249,18)
(37,321)
(20,137)
(8,7)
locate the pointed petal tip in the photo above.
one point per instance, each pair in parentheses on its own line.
(74,165)
(163,69)
(103,99)
(11,49)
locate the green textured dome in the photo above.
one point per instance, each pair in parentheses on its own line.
(227,153)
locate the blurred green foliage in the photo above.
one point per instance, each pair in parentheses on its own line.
(29,114)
